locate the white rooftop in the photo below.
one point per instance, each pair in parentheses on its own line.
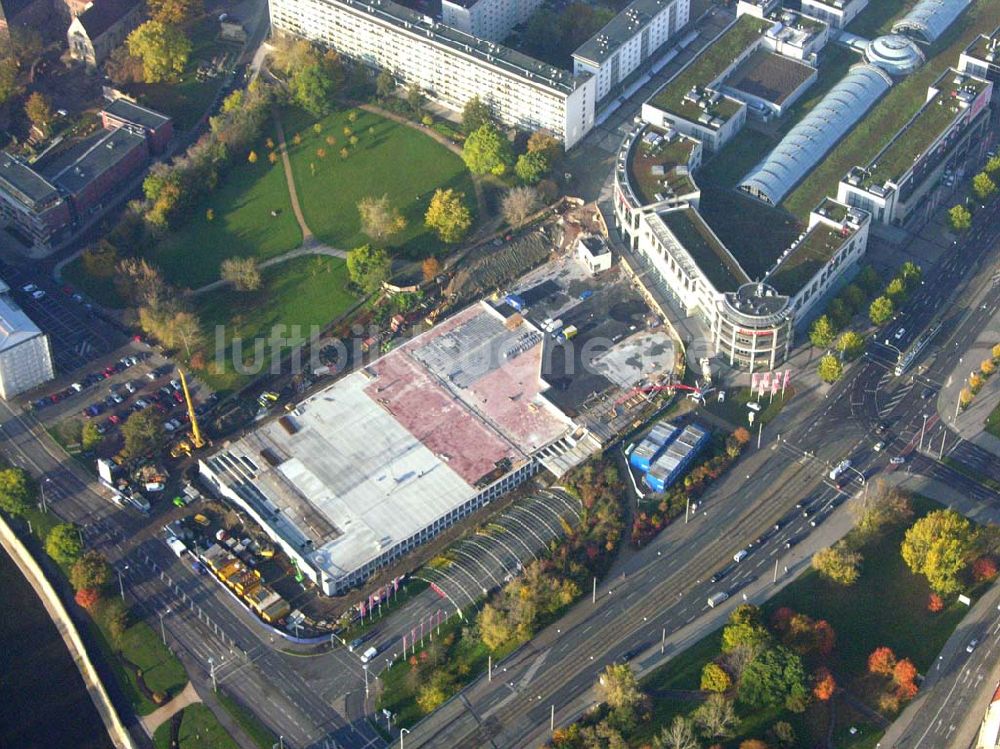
(15,326)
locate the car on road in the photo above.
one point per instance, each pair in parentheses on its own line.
(900,333)
(971,646)
(740,555)
(38,294)
(792,541)
(355,644)
(926,393)
(897,460)
(28,288)
(878,446)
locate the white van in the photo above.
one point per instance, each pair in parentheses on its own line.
(368,655)
(716,599)
(740,555)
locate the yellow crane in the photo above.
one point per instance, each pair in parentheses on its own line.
(197,441)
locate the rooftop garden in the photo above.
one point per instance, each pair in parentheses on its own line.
(832,210)
(893,110)
(712,258)
(918,135)
(812,253)
(980,47)
(707,67)
(771,76)
(645,157)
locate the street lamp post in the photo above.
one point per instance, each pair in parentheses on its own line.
(163,631)
(121,581)
(402,733)
(922,427)
(45,504)
(364,668)
(211,671)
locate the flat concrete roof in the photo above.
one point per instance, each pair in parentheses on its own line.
(619,30)
(25,184)
(385,451)
(15,326)
(770,76)
(105,149)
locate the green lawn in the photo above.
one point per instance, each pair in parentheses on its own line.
(893,110)
(389,159)
(888,606)
(262,736)
(242,225)
(993,422)
(734,409)
(188,100)
(200,729)
(303,291)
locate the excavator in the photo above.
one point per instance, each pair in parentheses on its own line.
(194,439)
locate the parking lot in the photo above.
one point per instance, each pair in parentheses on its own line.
(75,328)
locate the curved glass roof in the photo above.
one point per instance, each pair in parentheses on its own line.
(896,54)
(930,18)
(806,143)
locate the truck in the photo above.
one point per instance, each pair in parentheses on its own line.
(839,469)
(716,598)
(177,546)
(369,654)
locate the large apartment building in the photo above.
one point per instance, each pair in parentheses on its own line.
(486,19)
(450,66)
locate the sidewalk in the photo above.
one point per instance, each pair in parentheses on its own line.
(187,696)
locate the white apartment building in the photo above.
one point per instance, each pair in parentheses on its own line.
(487,19)
(450,66)
(628,40)
(837,13)
(25,356)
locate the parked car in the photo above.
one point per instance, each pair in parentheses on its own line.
(28,288)
(897,460)
(38,294)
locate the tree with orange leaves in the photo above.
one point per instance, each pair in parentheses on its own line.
(904,675)
(825,686)
(882,661)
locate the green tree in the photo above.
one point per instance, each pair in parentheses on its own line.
(143,433)
(448,215)
(495,628)
(487,151)
(984,186)
(838,313)
(743,634)
(9,85)
(435,691)
(775,677)
(838,564)
(90,571)
(385,84)
(63,543)
(959,218)
(854,297)
(17,491)
(938,546)
(475,114)
(822,332)
(163,49)
(830,369)
(896,290)
(911,273)
(850,344)
(993,165)
(714,678)
(869,280)
(313,89)
(531,167)
(881,310)
(368,268)
(414,98)
(114,617)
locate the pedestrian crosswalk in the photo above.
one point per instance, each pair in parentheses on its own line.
(888,407)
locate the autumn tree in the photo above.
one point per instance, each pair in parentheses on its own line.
(379,218)
(431,268)
(838,564)
(385,84)
(544,142)
(904,676)
(122,67)
(716,717)
(938,547)
(487,151)
(754,744)
(90,436)
(850,344)
(241,272)
(885,505)
(881,310)
(680,734)
(984,186)
(143,433)
(983,569)
(829,368)
(618,687)
(368,268)
(114,615)
(90,571)
(17,491)
(531,167)
(9,84)
(519,204)
(714,678)
(783,733)
(38,109)
(174,12)
(960,218)
(163,49)
(63,543)
(822,332)
(448,215)
(824,685)
(882,661)
(934,603)
(87,598)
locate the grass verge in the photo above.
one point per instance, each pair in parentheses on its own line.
(200,729)
(262,736)
(993,422)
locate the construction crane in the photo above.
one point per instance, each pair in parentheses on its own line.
(197,441)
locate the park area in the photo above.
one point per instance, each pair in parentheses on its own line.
(887,607)
(350,155)
(194,727)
